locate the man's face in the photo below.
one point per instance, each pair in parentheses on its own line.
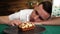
(39,14)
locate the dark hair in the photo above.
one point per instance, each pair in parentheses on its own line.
(47,6)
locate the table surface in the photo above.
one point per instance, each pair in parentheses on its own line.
(49,29)
(15,30)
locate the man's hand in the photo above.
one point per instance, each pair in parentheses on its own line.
(15,22)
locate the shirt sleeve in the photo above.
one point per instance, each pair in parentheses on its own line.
(23,15)
(14,16)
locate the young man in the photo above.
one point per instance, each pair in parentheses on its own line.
(40,13)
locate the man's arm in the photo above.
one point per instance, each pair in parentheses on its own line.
(13,19)
(4,19)
(53,21)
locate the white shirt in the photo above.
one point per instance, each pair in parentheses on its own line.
(56,8)
(23,15)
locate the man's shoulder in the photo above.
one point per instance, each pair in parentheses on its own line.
(26,10)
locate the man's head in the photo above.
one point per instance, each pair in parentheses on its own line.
(42,11)
(47,6)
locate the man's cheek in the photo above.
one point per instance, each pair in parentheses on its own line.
(31,19)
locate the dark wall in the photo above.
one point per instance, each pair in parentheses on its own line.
(10,6)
